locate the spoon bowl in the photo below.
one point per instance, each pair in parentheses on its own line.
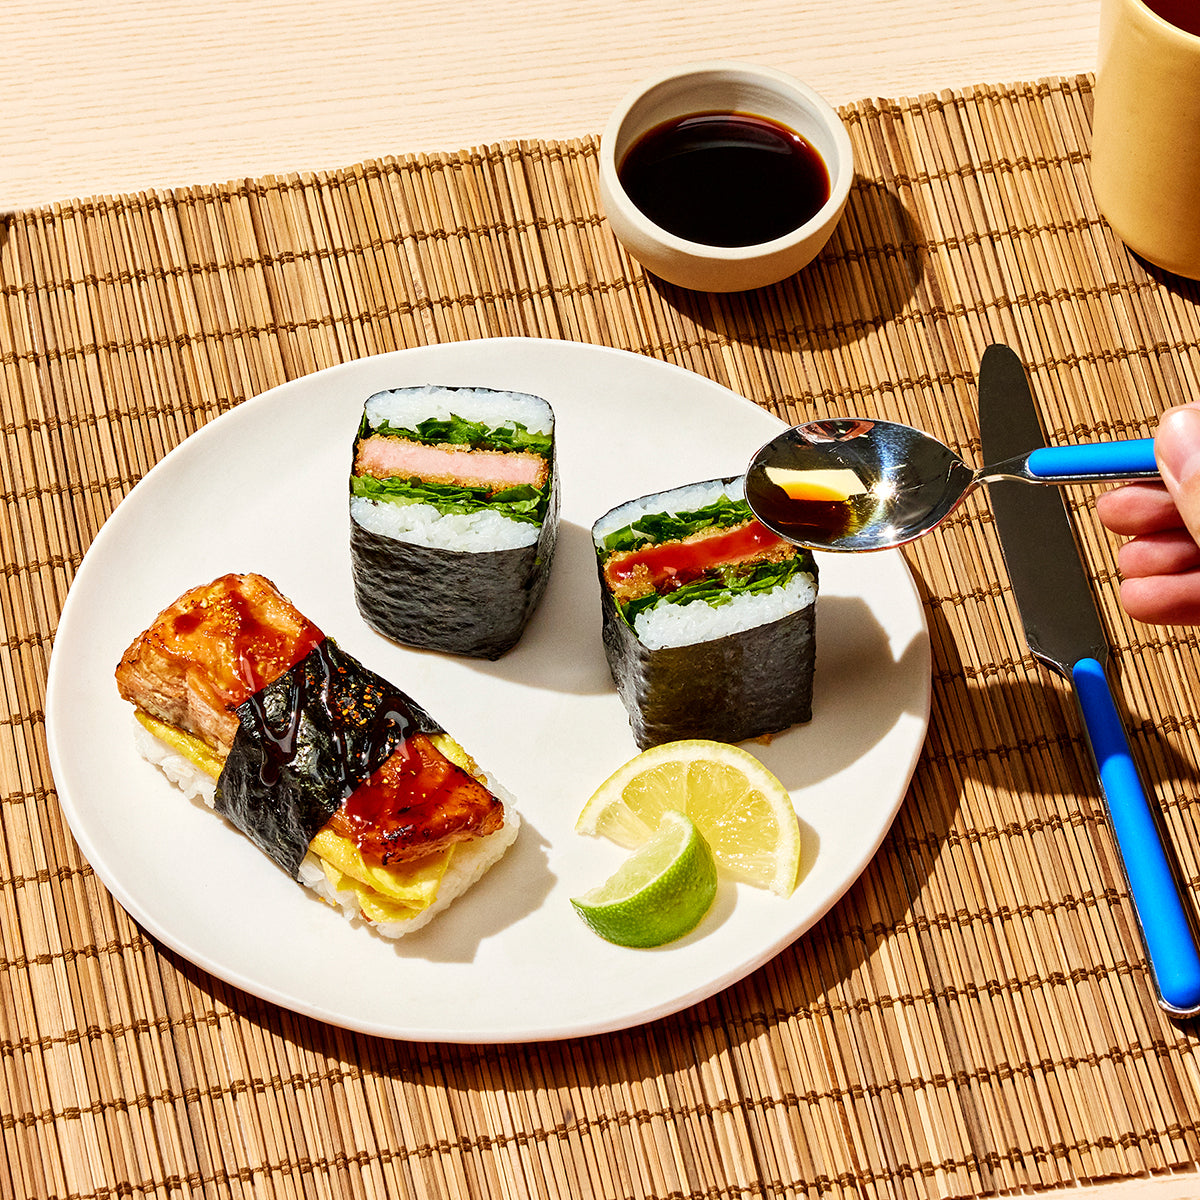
(853,484)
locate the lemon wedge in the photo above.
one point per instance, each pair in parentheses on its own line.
(743,812)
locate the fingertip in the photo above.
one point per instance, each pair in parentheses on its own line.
(1177,446)
(1141,602)
(1163,600)
(1137,508)
(1169,552)
(1109,507)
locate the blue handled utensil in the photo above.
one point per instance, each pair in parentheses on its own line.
(1080,464)
(859,484)
(1064,632)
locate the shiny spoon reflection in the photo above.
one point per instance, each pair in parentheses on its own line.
(856,484)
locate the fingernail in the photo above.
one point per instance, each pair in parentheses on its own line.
(1177,445)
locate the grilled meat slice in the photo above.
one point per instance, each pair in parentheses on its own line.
(417,802)
(496,470)
(210,650)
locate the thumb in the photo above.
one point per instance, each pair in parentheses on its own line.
(1177,449)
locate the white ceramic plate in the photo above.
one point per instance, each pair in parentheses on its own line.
(263,488)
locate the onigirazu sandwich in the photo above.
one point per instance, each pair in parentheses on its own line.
(454,504)
(339,777)
(709,618)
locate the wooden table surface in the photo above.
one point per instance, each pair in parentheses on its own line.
(133,95)
(115,98)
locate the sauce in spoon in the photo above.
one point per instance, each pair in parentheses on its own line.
(854,484)
(812,502)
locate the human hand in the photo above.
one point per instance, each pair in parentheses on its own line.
(1161,562)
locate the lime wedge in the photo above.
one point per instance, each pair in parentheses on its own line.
(659,893)
(745,814)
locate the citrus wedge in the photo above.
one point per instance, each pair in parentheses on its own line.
(659,893)
(743,811)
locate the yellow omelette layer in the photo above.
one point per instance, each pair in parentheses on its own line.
(394,893)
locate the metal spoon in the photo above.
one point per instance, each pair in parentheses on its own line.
(855,484)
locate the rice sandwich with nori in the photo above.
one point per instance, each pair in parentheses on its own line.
(453,515)
(339,777)
(709,618)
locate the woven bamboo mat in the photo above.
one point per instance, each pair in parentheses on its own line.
(973,1017)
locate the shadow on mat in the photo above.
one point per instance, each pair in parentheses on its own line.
(1023,744)
(862,279)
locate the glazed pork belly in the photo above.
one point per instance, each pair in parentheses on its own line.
(203,661)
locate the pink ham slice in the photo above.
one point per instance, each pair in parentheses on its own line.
(496,469)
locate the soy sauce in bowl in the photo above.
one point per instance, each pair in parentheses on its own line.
(725,178)
(722,176)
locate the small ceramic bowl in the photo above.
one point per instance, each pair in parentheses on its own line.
(723,87)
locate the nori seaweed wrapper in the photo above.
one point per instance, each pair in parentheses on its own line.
(729,689)
(304,743)
(475,604)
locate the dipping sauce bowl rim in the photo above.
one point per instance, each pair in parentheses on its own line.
(841,171)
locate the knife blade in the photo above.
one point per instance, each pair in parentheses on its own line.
(1064,632)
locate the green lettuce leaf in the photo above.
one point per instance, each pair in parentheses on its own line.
(653,528)
(722,584)
(460,432)
(523,503)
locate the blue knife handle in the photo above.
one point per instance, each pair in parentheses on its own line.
(1113,459)
(1166,930)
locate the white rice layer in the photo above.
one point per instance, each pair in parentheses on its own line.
(182,772)
(686,499)
(423,525)
(668,624)
(407,407)
(467,865)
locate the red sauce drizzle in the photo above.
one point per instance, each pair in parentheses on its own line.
(672,564)
(416,799)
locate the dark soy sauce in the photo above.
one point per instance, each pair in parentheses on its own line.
(804,517)
(725,178)
(824,520)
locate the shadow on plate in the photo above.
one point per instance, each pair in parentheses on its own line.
(515,887)
(860,691)
(560,650)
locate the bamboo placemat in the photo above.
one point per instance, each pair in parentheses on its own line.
(973,1017)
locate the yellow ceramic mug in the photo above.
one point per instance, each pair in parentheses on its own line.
(1146,129)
